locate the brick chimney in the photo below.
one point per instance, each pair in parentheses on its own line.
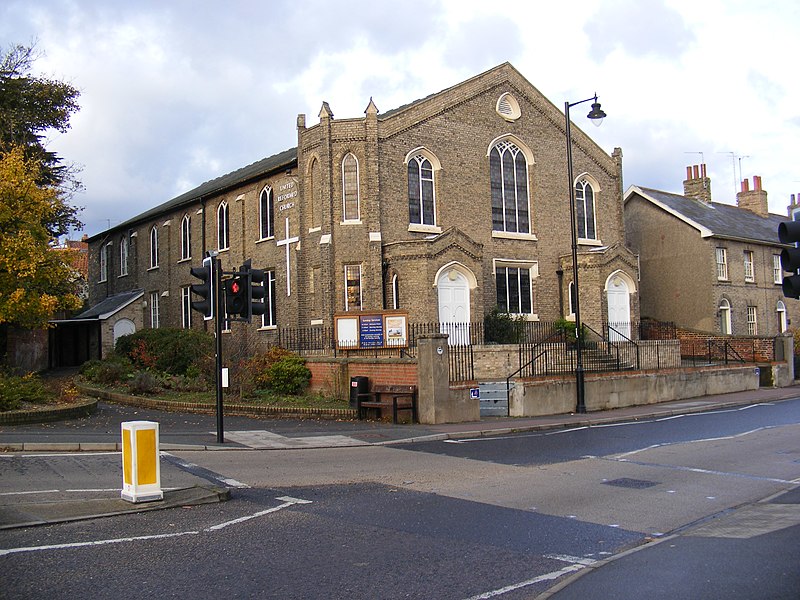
(754,200)
(793,206)
(697,184)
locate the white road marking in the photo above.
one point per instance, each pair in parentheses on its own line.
(573,560)
(51,455)
(516,586)
(287,502)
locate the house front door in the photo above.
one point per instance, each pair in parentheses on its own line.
(454,306)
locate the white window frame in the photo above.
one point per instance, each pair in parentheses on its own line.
(777,269)
(749,267)
(154,247)
(223,227)
(506,147)
(186,238)
(395,292)
(347,306)
(581,184)
(783,323)
(154,310)
(103,263)
(186,307)
(532,267)
(722,263)
(345,217)
(416,162)
(266,199)
(123,256)
(269,320)
(752,320)
(725,317)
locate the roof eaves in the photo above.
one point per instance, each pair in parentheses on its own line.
(705,232)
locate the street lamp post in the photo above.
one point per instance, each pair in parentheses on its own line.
(596,115)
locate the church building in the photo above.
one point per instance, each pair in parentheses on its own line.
(444,209)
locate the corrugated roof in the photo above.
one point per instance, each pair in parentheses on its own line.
(721,220)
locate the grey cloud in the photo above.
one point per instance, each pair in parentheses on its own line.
(638,28)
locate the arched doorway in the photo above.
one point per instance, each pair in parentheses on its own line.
(453,283)
(618,294)
(123,327)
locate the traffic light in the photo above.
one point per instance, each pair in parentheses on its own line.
(257,292)
(205,289)
(236,295)
(789,233)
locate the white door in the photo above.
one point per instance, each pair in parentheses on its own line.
(454,306)
(619,310)
(123,327)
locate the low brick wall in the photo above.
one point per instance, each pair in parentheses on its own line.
(332,376)
(80,409)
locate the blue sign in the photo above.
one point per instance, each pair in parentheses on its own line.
(475,393)
(370,331)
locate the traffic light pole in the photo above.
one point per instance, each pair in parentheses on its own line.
(218,311)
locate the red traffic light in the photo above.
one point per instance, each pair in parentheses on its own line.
(235,287)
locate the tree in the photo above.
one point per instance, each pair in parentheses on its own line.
(36,278)
(30,106)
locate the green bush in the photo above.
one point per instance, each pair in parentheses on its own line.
(15,389)
(106,372)
(171,351)
(503,328)
(568,329)
(289,375)
(144,382)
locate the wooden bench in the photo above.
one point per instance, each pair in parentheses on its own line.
(396,397)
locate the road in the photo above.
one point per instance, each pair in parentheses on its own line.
(506,517)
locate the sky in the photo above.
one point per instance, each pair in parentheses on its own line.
(177,92)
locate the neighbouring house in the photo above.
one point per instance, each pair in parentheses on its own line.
(706,265)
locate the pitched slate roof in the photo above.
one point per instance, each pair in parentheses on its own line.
(106,307)
(276,162)
(715,219)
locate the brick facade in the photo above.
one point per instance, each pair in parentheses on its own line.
(461,252)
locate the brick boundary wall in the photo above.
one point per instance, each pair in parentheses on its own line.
(332,375)
(758,349)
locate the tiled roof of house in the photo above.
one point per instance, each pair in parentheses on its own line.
(715,219)
(109,306)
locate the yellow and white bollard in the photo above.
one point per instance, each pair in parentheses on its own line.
(141,467)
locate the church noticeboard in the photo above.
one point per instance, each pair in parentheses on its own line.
(371,330)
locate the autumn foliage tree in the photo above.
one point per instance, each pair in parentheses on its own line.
(36,277)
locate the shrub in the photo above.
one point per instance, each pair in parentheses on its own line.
(144,382)
(254,372)
(15,389)
(106,372)
(171,351)
(503,328)
(289,375)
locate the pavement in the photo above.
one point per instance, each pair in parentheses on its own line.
(100,433)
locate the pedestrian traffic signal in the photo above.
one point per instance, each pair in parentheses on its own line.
(236,295)
(205,289)
(789,233)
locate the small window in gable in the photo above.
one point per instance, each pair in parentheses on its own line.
(508,107)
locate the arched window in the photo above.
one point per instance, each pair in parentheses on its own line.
(186,237)
(508,170)
(780,310)
(350,188)
(395,292)
(421,194)
(725,317)
(584,206)
(266,214)
(223,227)
(153,247)
(315,185)
(123,255)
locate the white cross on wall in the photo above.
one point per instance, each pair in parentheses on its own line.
(286,241)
